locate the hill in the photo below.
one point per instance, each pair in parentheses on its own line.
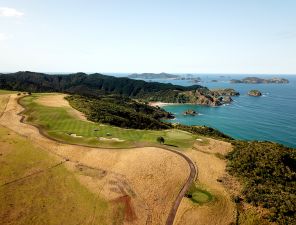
(95,85)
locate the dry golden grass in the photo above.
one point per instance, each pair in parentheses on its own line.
(222,209)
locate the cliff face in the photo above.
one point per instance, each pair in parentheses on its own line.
(209,98)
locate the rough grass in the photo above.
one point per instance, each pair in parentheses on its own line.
(3,101)
(58,123)
(51,197)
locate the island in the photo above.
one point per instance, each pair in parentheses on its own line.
(256,80)
(190,112)
(154,76)
(254,93)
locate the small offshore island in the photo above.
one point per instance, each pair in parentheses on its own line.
(256,80)
(255,93)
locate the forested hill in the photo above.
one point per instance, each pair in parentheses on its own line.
(82,83)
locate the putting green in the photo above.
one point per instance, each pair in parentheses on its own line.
(59,123)
(199,195)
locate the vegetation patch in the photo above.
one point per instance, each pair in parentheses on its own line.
(198,195)
(268,171)
(120,111)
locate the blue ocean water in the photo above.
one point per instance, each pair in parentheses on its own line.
(269,117)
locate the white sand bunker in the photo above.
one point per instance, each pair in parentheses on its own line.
(198,139)
(110,139)
(75,135)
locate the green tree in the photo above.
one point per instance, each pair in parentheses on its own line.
(160,140)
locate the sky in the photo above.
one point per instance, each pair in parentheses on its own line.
(188,36)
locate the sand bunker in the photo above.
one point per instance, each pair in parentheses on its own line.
(75,135)
(110,139)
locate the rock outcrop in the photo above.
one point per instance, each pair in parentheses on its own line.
(255,93)
(190,112)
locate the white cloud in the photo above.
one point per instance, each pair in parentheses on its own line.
(10,12)
(3,37)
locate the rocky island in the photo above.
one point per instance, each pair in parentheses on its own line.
(190,112)
(254,93)
(256,80)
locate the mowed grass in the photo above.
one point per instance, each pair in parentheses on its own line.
(58,123)
(199,195)
(5,92)
(52,197)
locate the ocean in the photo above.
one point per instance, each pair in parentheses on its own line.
(270,117)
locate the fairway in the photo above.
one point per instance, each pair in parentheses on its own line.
(36,188)
(61,124)
(5,92)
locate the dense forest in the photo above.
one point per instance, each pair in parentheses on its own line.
(120,111)
(81,83)
(268,171)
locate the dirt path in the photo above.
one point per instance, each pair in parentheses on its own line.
(192,176)
(129,171)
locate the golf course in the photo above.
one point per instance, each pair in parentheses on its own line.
(101,174)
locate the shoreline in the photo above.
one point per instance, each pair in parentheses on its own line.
(160,104)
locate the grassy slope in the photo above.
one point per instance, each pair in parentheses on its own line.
(58,123)
(51,197)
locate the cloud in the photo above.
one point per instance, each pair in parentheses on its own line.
(10,12)
(3,37)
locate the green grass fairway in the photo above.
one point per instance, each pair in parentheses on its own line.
(52,197)
(59,124)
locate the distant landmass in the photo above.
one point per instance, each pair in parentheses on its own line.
(97,85)
(154,76)
(256,80)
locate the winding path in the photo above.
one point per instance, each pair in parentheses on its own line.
(186,186)
(193,170)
